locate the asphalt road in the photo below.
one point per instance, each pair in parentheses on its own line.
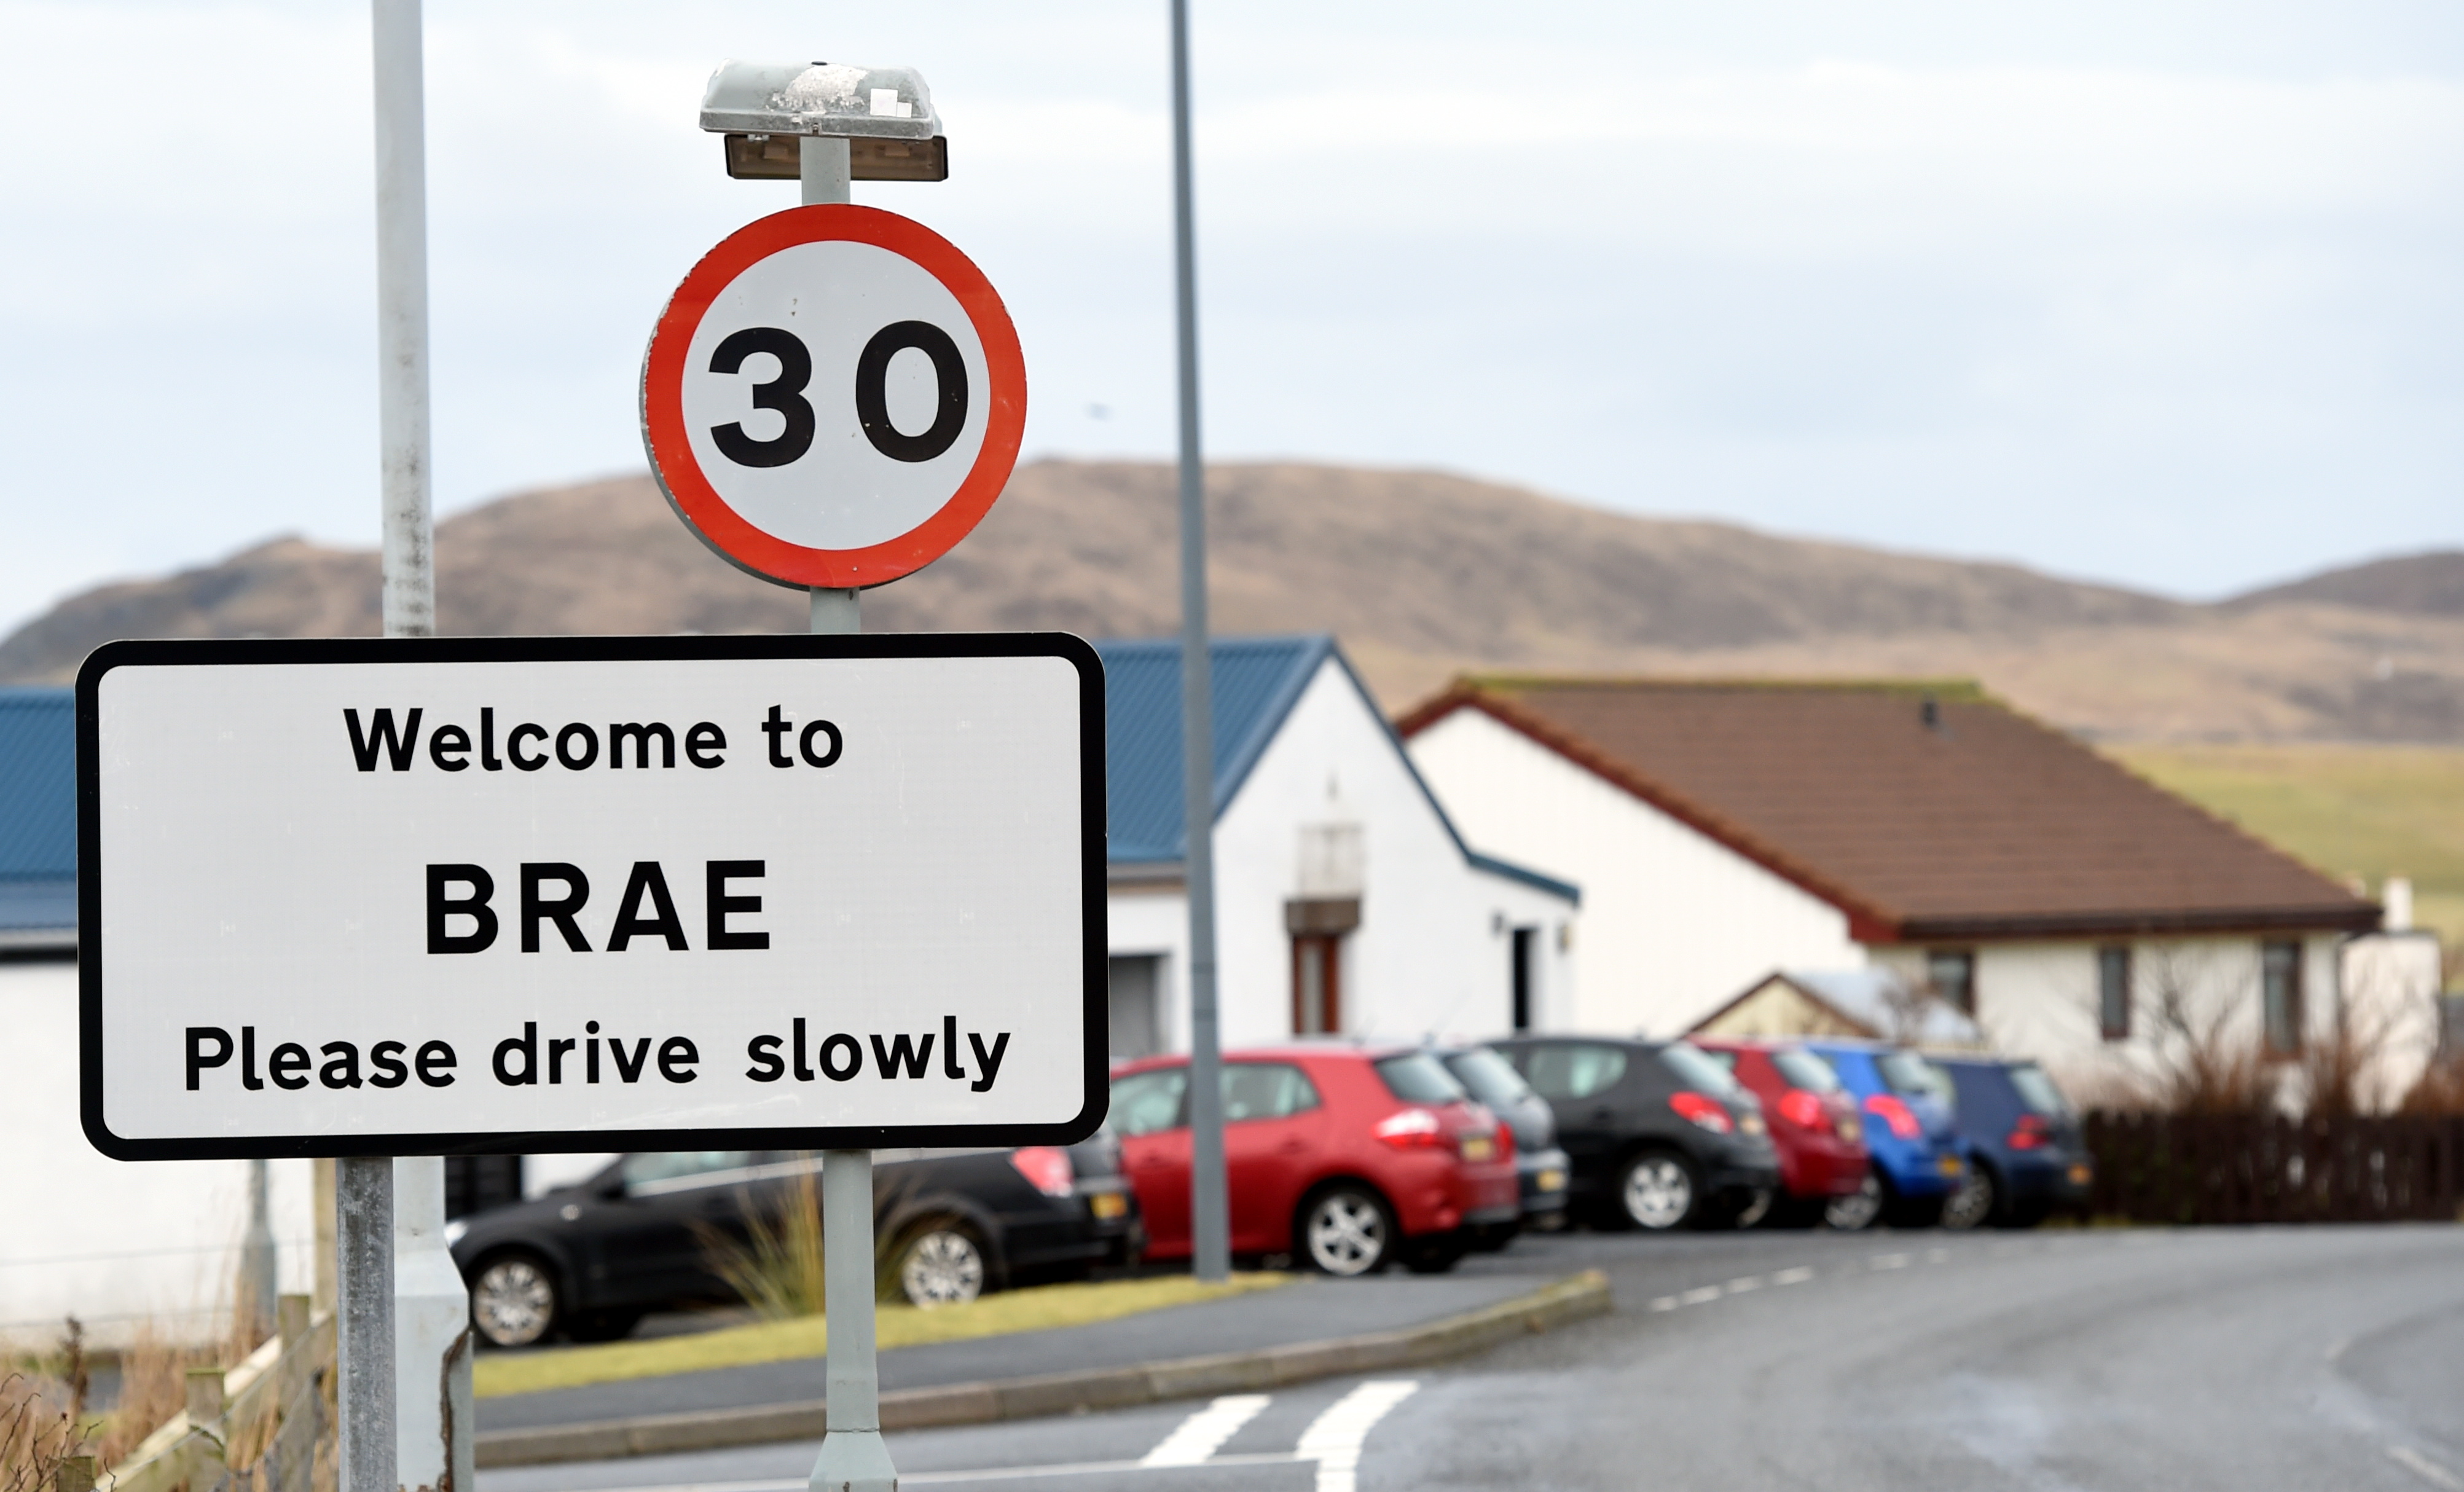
(2251,1360)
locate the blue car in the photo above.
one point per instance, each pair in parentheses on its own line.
(1911,1131)
(2025,1153)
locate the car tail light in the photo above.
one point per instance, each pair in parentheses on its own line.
(1410,1128)
(1803,1109)
(2032,1132)
(1047,1169)
(1702,1113)
(1902,1119)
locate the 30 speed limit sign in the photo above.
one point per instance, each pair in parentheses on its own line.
(833,397)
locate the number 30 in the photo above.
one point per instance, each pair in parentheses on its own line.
(786,394)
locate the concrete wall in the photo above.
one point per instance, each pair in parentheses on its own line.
(1674,922)
(121,1244)
(1433,950)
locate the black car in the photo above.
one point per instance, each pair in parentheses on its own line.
(1541,1165)
(588,1262)
(1661,1135)
(2026,1156)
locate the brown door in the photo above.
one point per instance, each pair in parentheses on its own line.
(1317,983)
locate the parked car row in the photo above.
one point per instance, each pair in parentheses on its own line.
(1344,1156)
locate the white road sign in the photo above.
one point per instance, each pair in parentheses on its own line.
(410,897)
(833,397)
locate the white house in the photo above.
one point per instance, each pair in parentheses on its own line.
(1725,830)
(1345,899)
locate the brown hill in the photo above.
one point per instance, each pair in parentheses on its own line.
(2425,585)
(1419,573)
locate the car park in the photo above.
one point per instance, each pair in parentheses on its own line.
(1905,1103)
(1813,1122)
(588,1262)
(1540,1165)
(2026,1155)
(1659,1134)
(1347,1156)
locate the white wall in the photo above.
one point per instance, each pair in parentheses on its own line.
(121,1243)
(1674,922)
(2392,984)
(1433,952)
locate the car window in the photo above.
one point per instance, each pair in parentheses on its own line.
(1697,1069)
(2037,1091)
(1803,1069)
(1907,1072)
(1728,1060)
(662,1170)
(1265,1090)
(1575,1069)
(1146,1102)
(1490,1078)
(1418,1077)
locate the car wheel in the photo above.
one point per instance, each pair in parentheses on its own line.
(1659,1192)
(514,1300)
(1858,1210)
(1347,1231)
(1757,1207)
(941,1266)
(1973,1202)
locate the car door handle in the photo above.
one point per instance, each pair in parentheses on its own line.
(1293,1147)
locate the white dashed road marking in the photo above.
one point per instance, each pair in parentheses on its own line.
(1888,1261)
(1202,1433)
(1797,1276)
(1334,1438)
(1749,1283)
(2425,1468)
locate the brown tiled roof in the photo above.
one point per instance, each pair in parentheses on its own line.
(1984,825)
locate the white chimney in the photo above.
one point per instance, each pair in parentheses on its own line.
(2395,897)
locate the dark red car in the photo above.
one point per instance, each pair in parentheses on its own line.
(1347,1157)
(1814,1123)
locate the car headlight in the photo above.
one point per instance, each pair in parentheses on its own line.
(455,1230)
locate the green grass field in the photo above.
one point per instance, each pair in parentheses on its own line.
(2371,811)
(1033,1309)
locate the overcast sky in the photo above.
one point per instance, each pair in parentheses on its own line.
(2167,295)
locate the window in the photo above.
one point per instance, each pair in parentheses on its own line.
(1144,1103)
(1952,973)
(649,1172)
(2113,992)
(1137,1032)
(1418,1077)
(1804,1069)
(2037,1091)
(1265,1090)
(2279,998)
(1907,1073)
(1574,1069)
(1698,1069)
(1490,1078)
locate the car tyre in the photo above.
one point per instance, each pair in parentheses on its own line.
(1860,1209)
(1659,1192)
(514,1300)
(940,1264)
(1974,1202)
(1347,1231)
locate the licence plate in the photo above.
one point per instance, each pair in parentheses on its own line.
(1108,1205)
(1552,1181)
(1477,1147)
(2081,1176)
(1950,1165)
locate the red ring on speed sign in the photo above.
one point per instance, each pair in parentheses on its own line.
(668,427)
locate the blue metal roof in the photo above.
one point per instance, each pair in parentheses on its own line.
(37,809)
(1257,680)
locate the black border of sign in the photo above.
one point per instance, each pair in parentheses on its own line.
(592,650)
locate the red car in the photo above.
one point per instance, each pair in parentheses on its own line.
(1350,1157)
(1812,1119)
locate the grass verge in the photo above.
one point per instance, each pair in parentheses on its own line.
(1035,1309)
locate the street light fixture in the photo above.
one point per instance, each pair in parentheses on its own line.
(765,110)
